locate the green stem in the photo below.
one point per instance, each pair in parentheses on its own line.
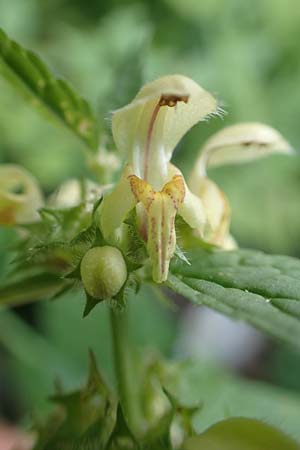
(125,376)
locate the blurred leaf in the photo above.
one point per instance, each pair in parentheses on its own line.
(36,287)
(283,368)
(241,433)
(86,420)
(35,360)
(31,77)
(25,343)
(220,395)
(244,284)
(71,337)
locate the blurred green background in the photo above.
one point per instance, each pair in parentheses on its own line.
(247,53)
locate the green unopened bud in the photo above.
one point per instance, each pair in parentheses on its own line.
(103,272)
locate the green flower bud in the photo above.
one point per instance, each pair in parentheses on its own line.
(103,272)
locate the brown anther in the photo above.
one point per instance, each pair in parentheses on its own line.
(171,100)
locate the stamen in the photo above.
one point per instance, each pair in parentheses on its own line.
(171,100)
(148,142)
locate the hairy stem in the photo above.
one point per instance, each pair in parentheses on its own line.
(125,376)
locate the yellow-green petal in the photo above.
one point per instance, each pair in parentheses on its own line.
(191,209)
(117,204)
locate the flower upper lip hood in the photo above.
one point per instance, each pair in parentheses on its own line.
(237,144)
(149,128)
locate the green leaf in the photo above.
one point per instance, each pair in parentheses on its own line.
(30,289)
(241,434)
(30,348)
(263,290)
(25,70)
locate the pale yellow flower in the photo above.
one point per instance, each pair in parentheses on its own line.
(147,131)
(74,192)
(232,145)
(20,196)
